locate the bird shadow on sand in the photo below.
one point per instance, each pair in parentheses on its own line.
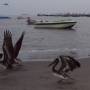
(15,69)
(66,84)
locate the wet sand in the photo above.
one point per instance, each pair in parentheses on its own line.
(36,75)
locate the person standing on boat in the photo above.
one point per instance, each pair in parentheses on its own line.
(28,20)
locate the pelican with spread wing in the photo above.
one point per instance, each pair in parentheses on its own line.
(11,52)
(68,64)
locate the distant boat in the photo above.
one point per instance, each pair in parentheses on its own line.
(55,24)
(4,17)
(5,4)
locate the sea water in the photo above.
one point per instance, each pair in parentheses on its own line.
(39,44)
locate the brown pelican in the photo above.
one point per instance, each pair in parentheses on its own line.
(59,72)
(11,52)
(68,63)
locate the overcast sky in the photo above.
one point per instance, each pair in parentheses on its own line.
(31,7)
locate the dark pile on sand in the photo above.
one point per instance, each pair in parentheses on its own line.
(37,76)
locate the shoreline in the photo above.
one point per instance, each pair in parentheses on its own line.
(51,59)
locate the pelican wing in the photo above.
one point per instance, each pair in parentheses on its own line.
(18,45)
(4,51)
(72,63)
(77,63)
(8,46)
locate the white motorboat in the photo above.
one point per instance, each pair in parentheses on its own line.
(55,24)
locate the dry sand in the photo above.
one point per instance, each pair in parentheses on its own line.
(37,76)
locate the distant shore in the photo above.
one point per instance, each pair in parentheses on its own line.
(36,75)
(66,15)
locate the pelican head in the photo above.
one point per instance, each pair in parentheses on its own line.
(56,61)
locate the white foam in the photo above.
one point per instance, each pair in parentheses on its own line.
(60,76)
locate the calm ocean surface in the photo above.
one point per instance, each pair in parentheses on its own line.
(48,43)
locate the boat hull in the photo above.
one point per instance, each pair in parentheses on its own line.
(55,25)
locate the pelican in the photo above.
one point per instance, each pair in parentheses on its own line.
(68,63)
(11,52)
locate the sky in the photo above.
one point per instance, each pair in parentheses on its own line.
(33,7)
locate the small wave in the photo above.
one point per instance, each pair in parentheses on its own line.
(53,50)
(53,53)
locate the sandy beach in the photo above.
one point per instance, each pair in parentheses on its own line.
(36,75)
